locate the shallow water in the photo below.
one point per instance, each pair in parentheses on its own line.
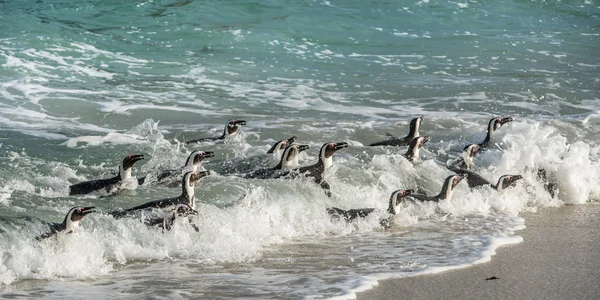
(82,85)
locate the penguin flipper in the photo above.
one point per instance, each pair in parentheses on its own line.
(326,187)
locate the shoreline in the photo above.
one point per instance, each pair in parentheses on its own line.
(558,259)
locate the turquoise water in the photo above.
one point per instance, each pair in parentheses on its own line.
(83,84)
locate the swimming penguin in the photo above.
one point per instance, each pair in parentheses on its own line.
(549,183)
(288,160)
(393,209)
(447,188)
(70,222)
(465,160)
(231,128)
(249,164)
(187,196)
(415,125)
(415,145)
(193,163)
(493,125)
(166,222)
(317,170)
(474,180)
(111,185)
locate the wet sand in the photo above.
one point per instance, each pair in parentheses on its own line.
(559,258)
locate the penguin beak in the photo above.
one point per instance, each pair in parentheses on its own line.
(238,122)
(88,210)
(209,154)
(341,145)
(302,148)
(514,178)
(291,140)
(408,192)
(193,212)
(505,120)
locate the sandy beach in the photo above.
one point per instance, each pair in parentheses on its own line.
(559,258)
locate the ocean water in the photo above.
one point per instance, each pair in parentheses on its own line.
(84,83)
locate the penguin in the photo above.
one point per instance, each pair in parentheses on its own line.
(445,194)
(474,180)
(279,147)
(193,163)
(493,125)
(396,199)
(415,145)
(166,221)
(288,160)
(111,185)
(249,164)
(231,128)
(317,170)
(70,222)
(187,196)
(415,125)
(465,160)
(549,183)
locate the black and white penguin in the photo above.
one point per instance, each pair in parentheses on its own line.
(279,147)
(231,128)
(396,199)
(493,125)
(187,196)
(112,185)
(447,188)
(317,170)
(474,180)
(166,221)
(192,164)
(70,222)
(288,160)
(415,125)
(415,146)
(465,160)
(253,163)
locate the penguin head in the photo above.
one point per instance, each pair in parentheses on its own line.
(197,156)
(290,156)
(232,127)
(190,178)
(496,123)
(450,183)
(183,210)
(75,215)
(415,125)
(396,198)
(415,146)
(470,150)
(420,141)
(507,181)
(281,145)
(457,178)
(327,150)
(189,182)
(127,164)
